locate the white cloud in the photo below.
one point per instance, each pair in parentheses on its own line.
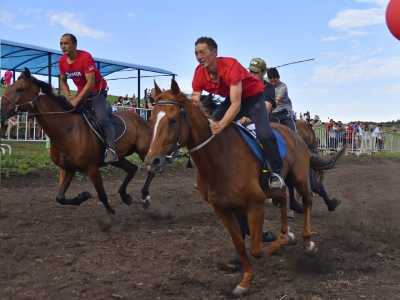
(350,21)
(347,35)
(382,3)
(131,15)
(71,22)
(359,71)
(357,18)
(7,19)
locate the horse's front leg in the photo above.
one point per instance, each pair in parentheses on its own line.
(233,228)
(130,170)
(146,198)
(65,178)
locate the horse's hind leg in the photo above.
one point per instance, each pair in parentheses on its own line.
(130,170)
(65,179)
(146,198)
(318,187)
(95,177)
(302,186)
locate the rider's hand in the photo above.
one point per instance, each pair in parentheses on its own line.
(74,101)
(244,121)
(216,127)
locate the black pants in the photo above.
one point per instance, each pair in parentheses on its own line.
(284,117)
(103,116)
(254,108)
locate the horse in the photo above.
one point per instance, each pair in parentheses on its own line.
(306,132)
(73,146)
(228,173)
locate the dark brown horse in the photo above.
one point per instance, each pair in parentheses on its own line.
(228,173)
(74,147)
(306,132)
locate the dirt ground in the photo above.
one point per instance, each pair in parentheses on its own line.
(171,250)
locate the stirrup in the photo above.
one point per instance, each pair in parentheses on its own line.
(276,184)
(110,156)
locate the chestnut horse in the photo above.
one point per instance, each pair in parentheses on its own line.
(74,147)
(228,173)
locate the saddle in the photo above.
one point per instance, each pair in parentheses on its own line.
(88,115)
(249,136)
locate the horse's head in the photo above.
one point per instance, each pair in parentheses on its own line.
(19,96)
(170,128)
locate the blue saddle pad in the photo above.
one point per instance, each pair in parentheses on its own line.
(251,141)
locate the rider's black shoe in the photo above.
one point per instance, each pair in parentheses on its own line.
(110,155)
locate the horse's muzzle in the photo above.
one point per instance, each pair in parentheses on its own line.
(155,164)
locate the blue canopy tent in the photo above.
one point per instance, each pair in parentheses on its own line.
(42,61)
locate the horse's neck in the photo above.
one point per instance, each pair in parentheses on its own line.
(199,126)
(208,159)
(52,124)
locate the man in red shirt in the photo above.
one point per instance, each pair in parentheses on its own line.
(79,66)
(226,77)
(8,75)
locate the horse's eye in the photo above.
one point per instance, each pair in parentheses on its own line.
(172,121)
(19,89)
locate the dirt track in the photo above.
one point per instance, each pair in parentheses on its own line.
(171,251)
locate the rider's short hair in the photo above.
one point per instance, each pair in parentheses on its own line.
(207,40)
(72,37)
(273,73)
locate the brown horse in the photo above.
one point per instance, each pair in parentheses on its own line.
(228,173)
(74,147)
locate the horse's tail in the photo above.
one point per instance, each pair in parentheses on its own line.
(318,163)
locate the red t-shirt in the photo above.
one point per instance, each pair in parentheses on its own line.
(230,72)
(76,71)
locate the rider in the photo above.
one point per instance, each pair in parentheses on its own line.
(226,77)
(258,68)
(283,112)
(79,66)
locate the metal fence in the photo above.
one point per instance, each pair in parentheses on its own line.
(365,143)
(25,128)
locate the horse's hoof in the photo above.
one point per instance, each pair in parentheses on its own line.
(291,238)
(127,199)
(333,204)
(146,202)
(311,249)
(84,196)
(239,291)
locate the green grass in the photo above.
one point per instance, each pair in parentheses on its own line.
(29,158)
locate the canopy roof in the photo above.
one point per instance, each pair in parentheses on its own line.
(42,61)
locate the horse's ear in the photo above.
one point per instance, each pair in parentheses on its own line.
(27,72)
(156,90)
(175,87)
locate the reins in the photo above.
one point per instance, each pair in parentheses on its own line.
(201,145)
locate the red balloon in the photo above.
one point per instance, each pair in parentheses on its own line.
(393,18)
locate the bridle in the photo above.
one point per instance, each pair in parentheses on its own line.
(183,113)
(32,104)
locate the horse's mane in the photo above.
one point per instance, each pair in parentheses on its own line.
(47,89)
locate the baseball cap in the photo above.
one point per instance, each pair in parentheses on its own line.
(257,65)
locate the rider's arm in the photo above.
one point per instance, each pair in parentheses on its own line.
(64,86)
(235,95)
(90,83)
